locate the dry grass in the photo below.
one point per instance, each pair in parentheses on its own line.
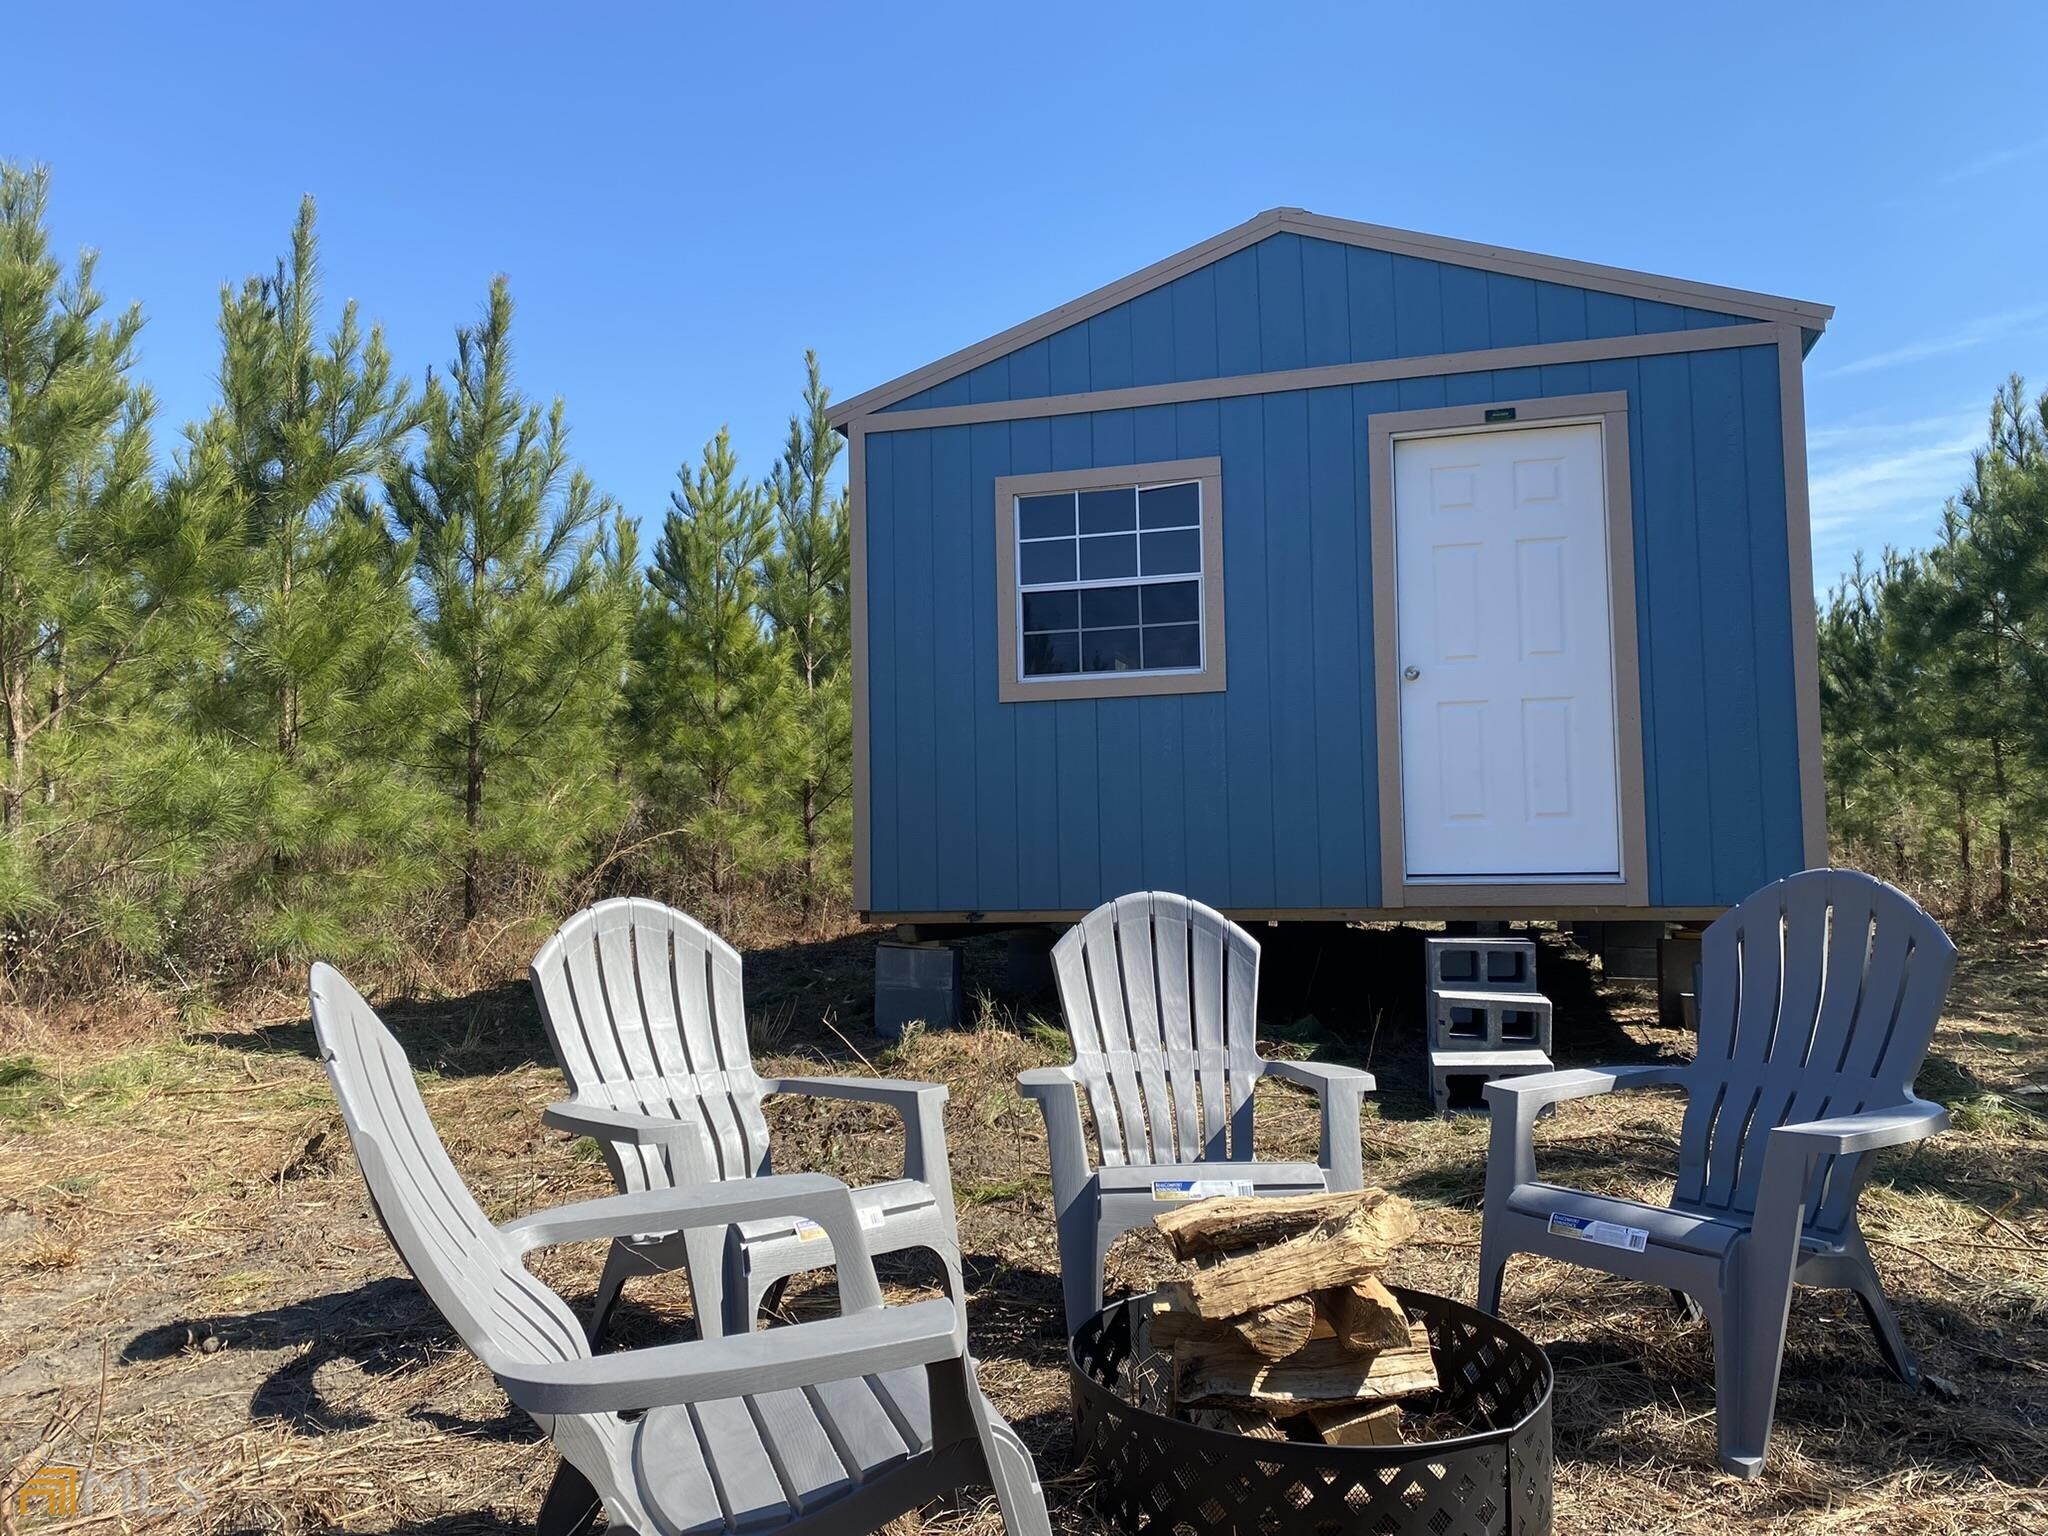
(193,1291)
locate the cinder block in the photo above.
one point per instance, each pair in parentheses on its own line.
(1628,951)
(1489,1021)
(916,983)
(1457,1079)
(1678,966)
(1476,964)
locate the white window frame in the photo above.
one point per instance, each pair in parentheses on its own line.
(1208,676)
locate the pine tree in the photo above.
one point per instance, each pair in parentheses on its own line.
(322,684)
(74,460)
(525,580)
(1991,639)
(105,580)
(709,701)
(805,596)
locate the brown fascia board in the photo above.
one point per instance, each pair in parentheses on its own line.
(1810,317)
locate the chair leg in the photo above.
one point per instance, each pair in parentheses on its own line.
(956,1282)
(1083,1252)
(1749,1350)
(1493,1268)
(745,1296)
(705,1252)
(1891,1343)
(618,1264)
(571,1506)
(1015,1480)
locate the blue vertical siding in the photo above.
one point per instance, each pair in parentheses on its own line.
(1248,705)
(1311,302)
(996,794)
(955,767)
(1204,723)
(1265,795)
(885,660)
(1292,635)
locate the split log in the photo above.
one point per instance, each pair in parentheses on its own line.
(1273,1332)
(1323,1374)
(1336,1252)
(1364,1316)
(1355,1426)
(1250,1221)
(1238,1421)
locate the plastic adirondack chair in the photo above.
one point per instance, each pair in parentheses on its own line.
(830,1426)
(644,1008)
(1160,994)
(1817,998)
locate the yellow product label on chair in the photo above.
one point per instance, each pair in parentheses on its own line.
(1198,1189)
(808,1231)
(1609,1234)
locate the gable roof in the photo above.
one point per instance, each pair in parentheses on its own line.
(1810,317)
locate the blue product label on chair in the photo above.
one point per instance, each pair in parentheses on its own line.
(1609,1234)
(1198,1189)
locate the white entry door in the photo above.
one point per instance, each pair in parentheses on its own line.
(1508,765)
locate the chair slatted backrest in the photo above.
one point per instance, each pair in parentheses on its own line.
(1160,995)
(1818,996)
(468,1269)
(646,1013)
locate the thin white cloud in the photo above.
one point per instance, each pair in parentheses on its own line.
(1997,160)
(1974,333)
(1873,482)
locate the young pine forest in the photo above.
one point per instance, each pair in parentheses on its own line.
(363,666)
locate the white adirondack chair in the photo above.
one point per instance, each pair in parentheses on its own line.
(1160,995)
(1818,996)
(644,1008)
(832,1426)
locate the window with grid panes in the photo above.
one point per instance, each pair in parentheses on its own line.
(1110,581)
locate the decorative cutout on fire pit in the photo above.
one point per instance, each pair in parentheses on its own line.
(1160,1475)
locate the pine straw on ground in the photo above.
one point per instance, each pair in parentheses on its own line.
(196,1302)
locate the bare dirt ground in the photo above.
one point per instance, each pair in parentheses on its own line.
(196,1302)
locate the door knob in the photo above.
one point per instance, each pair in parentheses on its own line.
(1411,673)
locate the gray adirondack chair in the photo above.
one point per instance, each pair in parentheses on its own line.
(645,1011)
(1160,995)
(830,1426)
(1817,998)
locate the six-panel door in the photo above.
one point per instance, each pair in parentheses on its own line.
(1506,658)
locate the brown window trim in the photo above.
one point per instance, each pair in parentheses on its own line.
(1013,689)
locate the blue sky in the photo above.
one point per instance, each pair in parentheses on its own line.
(684,198)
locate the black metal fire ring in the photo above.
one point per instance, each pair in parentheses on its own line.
(1156,1475)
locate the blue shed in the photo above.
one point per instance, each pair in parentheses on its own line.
(1326,570)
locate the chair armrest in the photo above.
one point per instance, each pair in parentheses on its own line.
(1542,1088)
(921,1107)
(1847,1135)
(802,1355)
(1054,1091)
(824,1200)
(1040,1081)
(1342,1091)
(1516,1101)
(684,1137)
(892,1091)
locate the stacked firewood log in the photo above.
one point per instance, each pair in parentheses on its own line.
(1283,1328)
